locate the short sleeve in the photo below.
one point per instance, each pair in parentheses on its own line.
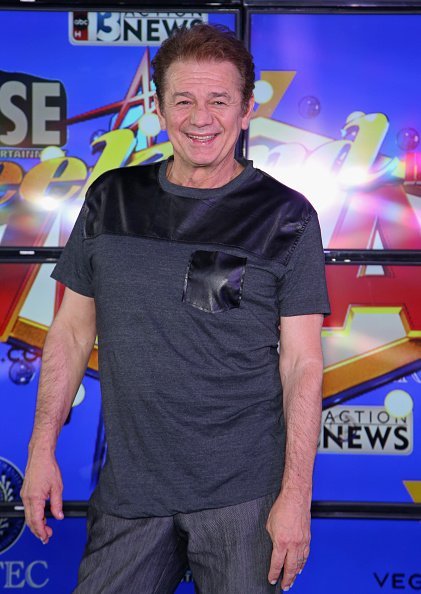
(302,289)
(73,268)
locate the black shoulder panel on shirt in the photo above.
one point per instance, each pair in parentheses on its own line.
(261,216)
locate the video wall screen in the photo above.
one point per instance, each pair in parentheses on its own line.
(340,122)
(338,119)
(76,99)
(369,443)
(26,312)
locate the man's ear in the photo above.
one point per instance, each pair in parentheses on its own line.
(248,113)
(160,113)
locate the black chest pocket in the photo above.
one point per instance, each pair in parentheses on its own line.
(214,281)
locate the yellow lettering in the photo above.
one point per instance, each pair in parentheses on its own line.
(117,147)
(11,175)
(294,155)
(159,151)
(53,179)
(351,159)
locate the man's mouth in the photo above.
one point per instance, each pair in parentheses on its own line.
(201,138)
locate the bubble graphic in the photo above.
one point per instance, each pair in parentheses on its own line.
(263,91)
(398,403)
(51,152)
(408,139)
(80,396)
(149,124)
(309,107)
(21,372)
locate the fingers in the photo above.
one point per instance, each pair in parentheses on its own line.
(276,564)
(290,573)
(291,561)
(49,531)
(288,525)
(56,503)
(293,565)
(35,518)
(35,513)
(303,559)
(42,482)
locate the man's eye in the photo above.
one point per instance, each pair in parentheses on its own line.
(183,102)
(219,103)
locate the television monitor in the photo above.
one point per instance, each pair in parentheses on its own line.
(337,118)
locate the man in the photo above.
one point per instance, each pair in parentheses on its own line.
(186,270)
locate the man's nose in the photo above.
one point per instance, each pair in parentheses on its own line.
(200,115)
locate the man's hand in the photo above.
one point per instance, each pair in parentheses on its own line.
(288,525)
(42,482)
(65,355)
(301,369)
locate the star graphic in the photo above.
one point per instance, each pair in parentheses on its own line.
(139,93)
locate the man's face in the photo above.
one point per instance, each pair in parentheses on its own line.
(203,112)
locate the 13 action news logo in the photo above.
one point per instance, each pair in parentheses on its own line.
(365,430)
(11,480)
(32,111)
(128,28)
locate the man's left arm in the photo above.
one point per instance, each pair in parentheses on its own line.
(301,369)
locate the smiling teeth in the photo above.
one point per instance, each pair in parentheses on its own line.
(202,137)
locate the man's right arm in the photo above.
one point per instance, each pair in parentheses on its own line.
(65,356)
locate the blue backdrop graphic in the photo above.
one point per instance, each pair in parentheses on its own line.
(349,62)
(347,556)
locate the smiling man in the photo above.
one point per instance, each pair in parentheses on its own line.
(203,112)
(190,271)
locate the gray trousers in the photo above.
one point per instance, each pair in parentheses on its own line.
(227,549)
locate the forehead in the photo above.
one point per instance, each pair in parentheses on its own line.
(208,75)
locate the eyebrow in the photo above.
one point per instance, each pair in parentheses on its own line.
(212,95)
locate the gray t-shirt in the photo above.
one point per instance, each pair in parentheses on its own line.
(189,285)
